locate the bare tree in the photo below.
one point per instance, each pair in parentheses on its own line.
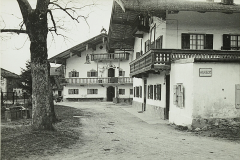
(36,24)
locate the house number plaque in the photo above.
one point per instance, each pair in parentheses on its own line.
(205,72)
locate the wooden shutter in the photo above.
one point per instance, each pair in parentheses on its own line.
(140,92)
(175,94)
(77,74)
(155,92)
(88,74)
(209,41)
(180,96)
(185,41)
(159,92)
(70,74)
(226,42)
(96,74)
(237,96)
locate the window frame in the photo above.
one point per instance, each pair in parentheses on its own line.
(74,91)
(92,91)
(121,91)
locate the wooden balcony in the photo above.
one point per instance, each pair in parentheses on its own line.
(160,59)
(110,56)
(97,81)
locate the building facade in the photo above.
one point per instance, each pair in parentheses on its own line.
(186,60)
(92,73)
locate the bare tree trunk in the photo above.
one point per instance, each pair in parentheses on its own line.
(42,97)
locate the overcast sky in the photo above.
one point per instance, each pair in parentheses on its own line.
(15,48)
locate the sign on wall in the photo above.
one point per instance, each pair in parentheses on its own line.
(205,72)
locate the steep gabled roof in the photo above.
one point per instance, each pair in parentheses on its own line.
(77,49)
(177,5)
(7,74)
(124,13)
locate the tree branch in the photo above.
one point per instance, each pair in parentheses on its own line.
(25,8)
(13,30)
(54,24)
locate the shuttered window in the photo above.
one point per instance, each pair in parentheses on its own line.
(157,92)
(122,73)
(92,91)
(150,92)
(73,74)
(121,91)
(178,95)
(92,73)
(231,42)
(131,91)
(72,91)
(197,41)
(140,94)
(147,46)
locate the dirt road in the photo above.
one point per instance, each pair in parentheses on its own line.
(110,132)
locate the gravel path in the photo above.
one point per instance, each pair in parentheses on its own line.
(110,132)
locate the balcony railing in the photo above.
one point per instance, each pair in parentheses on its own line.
(110,56)
(108,80)
(161,58)
(150,58)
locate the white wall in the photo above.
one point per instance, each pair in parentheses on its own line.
(127,91)
(181,73)
(205,23)
(214,97)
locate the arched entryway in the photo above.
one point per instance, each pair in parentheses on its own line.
(110,93)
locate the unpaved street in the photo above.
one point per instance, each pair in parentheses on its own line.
(111,132)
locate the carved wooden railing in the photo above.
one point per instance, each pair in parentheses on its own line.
(165,56)
(110,56)
(108,80)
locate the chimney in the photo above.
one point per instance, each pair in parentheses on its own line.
(227,2)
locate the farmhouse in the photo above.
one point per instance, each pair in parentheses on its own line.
(93,72)
(186,59)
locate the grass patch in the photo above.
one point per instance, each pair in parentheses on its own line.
(19,141)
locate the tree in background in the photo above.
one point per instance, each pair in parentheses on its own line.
(26,78)
(36,24)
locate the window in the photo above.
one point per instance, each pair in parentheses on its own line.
(122,73)
(159,42)
(178,95)
(92,91)
(131,91)
(140,94)
(157,92)
(197,41)
(121,92)
(231,42)
(72,91)
(92,73)
(147,46)
(150,92)
(137,91)
(134,94)
(73,74)
(152,38)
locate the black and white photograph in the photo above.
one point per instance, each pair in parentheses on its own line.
(120,79)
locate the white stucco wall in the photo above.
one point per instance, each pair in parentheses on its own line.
(204,97)
(202,23)
(78,64)
(214,97)
(181,73)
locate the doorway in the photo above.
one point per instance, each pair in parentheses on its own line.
(111,72)
(167,96)
(110,93)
